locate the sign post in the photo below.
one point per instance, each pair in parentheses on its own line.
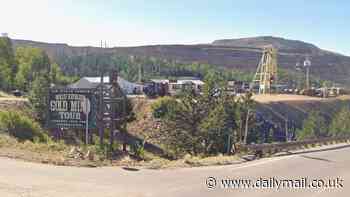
(86,110)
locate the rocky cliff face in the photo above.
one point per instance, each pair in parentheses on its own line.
(231,53)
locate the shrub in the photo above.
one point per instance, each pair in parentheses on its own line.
(138,148)
(21,127)
(313,127)
(163,107)
(340,125)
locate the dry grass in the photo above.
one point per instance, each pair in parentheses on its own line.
(56,153)
(267,98)
(4,94)
(192,161)
(37,152)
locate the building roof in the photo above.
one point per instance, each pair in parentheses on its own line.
(188,78)
(197,82)
(160,80)
(92,82)
(83,83)
(179,81)
(97,79)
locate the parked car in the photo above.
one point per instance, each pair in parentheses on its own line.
(17,93)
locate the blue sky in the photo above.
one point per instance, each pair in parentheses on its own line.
(140,22)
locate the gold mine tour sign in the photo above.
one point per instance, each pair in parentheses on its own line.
(69,108)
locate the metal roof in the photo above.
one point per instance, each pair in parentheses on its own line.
(92,82)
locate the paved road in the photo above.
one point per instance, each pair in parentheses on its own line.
(24,179)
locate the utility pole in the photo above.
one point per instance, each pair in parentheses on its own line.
(298,76)
(307,65)
(87,112)
(114,94)
(228,144)
(246,126)
(101,110)
(101,104)
(307,78)
(140,73)
(286,128)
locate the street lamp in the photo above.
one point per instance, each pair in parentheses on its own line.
(307,65)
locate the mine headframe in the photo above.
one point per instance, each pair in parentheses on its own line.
(265,77)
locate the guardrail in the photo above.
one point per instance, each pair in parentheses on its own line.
(262,149)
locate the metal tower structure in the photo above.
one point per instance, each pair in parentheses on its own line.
(266,73)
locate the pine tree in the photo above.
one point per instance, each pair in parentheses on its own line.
(313,127)
(7,64)
(38,96)
(340,125)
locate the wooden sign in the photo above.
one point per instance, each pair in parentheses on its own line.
(70,107)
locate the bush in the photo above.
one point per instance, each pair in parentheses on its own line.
(138,148)
(313,127)
(163,107)
(340,125)
(21,127)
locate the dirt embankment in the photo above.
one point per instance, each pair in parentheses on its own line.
(145,125)
(270,98)
(13,103)
(294,109)
(278,109)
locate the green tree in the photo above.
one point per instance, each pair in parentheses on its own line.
(5,76)
(22,78)
(181,129)
(220,125)
(164,106)
(245,118)
(313,127)
(340,125)
(7,64)
(32,62)
(199,124)
(57,77)
(38,96)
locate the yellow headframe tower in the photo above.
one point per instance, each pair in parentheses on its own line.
(266,74)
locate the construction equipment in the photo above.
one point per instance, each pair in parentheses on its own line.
(155,88)
(266,74)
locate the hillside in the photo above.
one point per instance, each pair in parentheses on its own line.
(241,54)
(283,45)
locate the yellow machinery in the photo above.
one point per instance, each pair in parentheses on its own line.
(266,74)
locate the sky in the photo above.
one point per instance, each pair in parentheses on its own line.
(324,23)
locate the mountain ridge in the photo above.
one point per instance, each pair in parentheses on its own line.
(241,53)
